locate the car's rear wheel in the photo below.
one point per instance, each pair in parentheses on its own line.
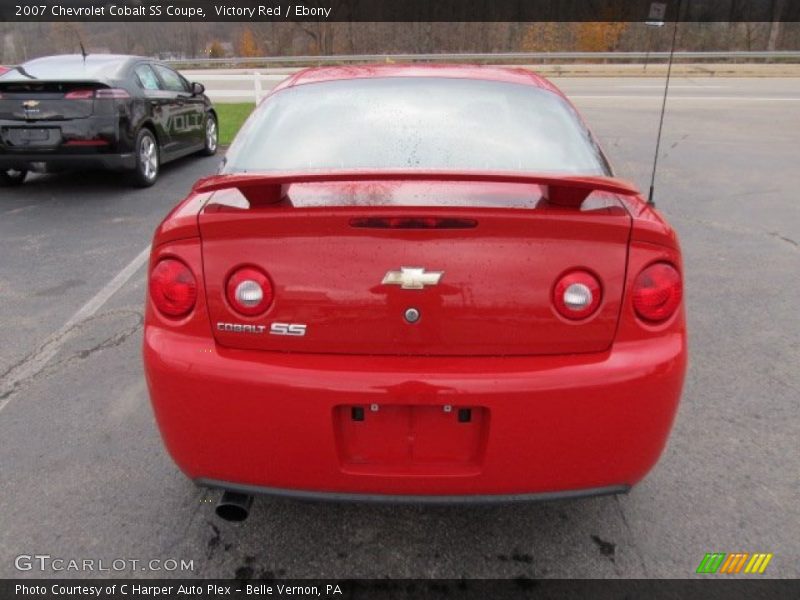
(212,136)
(13,177)
(147,159)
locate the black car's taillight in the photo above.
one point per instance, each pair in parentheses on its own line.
(112,93)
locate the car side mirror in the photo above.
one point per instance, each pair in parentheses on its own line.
(198,89)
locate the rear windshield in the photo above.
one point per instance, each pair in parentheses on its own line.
(67,67)
(415,122)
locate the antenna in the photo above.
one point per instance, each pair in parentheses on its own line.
(80,42)
(659,10)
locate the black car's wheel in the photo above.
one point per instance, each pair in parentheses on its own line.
(12,177)
(147,159)
(212,136)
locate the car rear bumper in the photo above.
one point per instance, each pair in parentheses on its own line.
(412,499)
(542,427)
(58,161)
(70,151)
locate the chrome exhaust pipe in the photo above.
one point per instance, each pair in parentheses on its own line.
(234,506)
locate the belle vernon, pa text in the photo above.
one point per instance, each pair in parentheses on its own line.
(135,589)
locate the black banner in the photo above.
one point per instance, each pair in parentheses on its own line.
(715,587)
(398,10)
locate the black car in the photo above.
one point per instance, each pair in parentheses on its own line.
(126,113)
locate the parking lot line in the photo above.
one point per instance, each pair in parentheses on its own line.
(31,365)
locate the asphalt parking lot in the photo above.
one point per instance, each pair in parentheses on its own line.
(83,473)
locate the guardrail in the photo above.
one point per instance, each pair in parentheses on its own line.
(496,58)
(256,79)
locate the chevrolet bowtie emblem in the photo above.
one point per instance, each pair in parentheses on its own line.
(30,104)
(412,278)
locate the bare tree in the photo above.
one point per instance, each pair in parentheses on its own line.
(775,29)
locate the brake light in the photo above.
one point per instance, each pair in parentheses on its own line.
(413,223)
(79,95)
(173,288)
(657,292)
(249,291)
(577,295)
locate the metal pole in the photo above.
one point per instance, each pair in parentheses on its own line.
(257,86)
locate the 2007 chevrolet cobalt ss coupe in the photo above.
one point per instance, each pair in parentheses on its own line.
(414,283)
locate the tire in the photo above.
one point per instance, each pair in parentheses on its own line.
(12,177)
(148,164)
(211,136)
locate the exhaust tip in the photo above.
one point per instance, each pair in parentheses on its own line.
(234,506)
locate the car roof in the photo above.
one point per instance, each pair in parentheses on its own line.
(447,71)
(89,59)
(73,66)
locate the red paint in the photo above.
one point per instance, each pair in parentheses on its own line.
(553,403)
(493,299)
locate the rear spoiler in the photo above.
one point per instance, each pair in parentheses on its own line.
(563,190)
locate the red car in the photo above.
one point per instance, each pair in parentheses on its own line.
(414,283)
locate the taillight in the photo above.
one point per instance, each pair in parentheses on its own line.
(79,94)
(173,288)
(249,291)
(657,292)
(577,295)
(114,93)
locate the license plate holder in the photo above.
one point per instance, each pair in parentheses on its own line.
(31,136)
(411,438)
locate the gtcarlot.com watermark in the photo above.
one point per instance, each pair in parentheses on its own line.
(56,564)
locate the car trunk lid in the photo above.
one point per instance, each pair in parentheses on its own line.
(480,277)
(37,100)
